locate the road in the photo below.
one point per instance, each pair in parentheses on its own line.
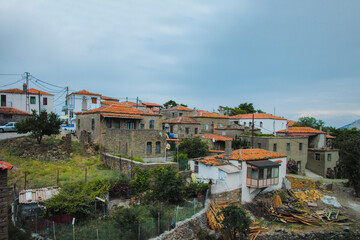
(9,135)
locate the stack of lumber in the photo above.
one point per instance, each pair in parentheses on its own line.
(311,195)
(301,183)
(255,230)
(277,201)
(292,215)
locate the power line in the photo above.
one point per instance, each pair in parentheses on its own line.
(46,82)
(11,83)
(60,96)
(45,87)
(10,74)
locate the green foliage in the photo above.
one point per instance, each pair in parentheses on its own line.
(236,220)
(141,182)
(182,157)
(168,185)
(76,198)
(292,167)
(130,216)
(193,189)
(15,233)
(40,124)
(194,147)
(243,108)
(240,143)
(309,122)
(172,103)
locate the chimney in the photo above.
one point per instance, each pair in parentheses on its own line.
(287,130)
(195,112)
(221,111)
(24,87)
(320,128)
(228,150)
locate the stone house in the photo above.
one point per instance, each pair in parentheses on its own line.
(321,157)
(217,143)
(182,127)
(295,147)
(176,111)
(4,195)
(234,130)
(78,102)
(8,114)
(267,123)
(126,131)
(106,101)
(209,121)
(37,100)
(251,170)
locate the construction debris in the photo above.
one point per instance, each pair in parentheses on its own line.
(301,183)
(311,195)
(292,215)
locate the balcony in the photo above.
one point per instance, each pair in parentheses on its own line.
(68,107)
(261,174)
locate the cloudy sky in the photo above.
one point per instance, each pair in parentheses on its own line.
(300,57)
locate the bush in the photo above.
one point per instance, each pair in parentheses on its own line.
(235,220)
(193,189)
(194,147)
(292,167)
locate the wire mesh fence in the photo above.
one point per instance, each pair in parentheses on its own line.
(107,228)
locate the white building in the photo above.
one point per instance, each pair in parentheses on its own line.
(252,170)
(267,123)
(37,100)
(80,101)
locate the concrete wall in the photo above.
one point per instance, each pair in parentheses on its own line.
(267,126)
(127,166)
(3,205)
(318,141)
(320,166)
(295,153)
(18,101)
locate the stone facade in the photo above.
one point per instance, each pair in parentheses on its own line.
(5,118)
(174,112)
(3,205)
(320,160)
(184,130)
(208,125)
(127,166)
(296,148)
(287,235)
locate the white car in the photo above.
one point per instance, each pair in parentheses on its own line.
(9,127)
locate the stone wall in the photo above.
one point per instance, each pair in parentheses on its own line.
(127,166)
(5,118)
(310,235)
(3,205)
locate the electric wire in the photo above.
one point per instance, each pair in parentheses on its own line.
(45,88)
(10,74)
(46,82)
(12,83)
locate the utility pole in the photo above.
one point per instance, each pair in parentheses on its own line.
(252,132)
(39,102)
(27,92)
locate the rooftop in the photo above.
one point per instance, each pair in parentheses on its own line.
(151,104)
(178,108)
(19,91)
(109,99)
(301,131)
(216,137)
(256,116)
(37,195)
(181,120)
(12,111)
(5,165)
(118,109)
(85,92)
(205,114)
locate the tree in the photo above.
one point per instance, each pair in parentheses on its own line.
(248,107)
(235,220)
(40,124)
(309,122)
(243,108)
(194,147)
(240,143)
(172,103)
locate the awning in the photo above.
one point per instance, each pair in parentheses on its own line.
(263,164)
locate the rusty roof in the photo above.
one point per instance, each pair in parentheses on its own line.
(5,165)
(206,114)
(13,111)
(301,131)
(37,195)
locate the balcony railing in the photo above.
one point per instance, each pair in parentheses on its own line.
(68,107)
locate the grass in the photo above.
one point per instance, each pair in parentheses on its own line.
(43,173)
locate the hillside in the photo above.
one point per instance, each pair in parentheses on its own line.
(355,124)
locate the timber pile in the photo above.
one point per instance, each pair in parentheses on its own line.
(292,215)
(301,183)
(311,195)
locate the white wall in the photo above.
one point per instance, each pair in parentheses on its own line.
(18,101)
(76,100)
(267,124)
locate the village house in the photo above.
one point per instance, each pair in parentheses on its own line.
(176,111)
(234,130)
(267,123)
(209,121)
(182,127)
(27,99)
(80,101)
(217,143)
(126,131)
(321,156)
(250,170)
(9,114)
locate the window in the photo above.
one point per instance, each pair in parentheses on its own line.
(261,173)
(148,147)
(244,123)
(158,147)
(187,130)
(196,131)
(8,116)
(268,172)
(300,146)
(71,114)
(274,147)
(254,173)
(249,124)
(32,100)
(78,123)
(44,101)
(249,172)
(275,172)
(151,124)
(259,145)
(288,147)
(206,127)
(180,114)
(108,123)
(173,115)
(93,124)
(261,124)
(130,124)
(317,156)
(171,128)
(142,126)
(3,100)
(220,125)
(329,157)
(94,100)
(117,123)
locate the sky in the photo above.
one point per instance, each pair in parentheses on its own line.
(297,58)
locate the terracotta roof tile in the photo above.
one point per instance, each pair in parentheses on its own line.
(179,108)
(117,109)
(216,137)
(127,116)
(85,92)
(205,114)
(130,104)
(301,131)
(331,137)
(5,165)
(290,123)
(181,120)
(212,161)
(256,116)
(19,91)
(109,99)
(151,104)
(12,111)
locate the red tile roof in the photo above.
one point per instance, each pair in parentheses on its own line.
(205,114)
(178,108)
(5,165)
(181,120)
(117,109)
(19,91)
(151,104)
(256,116)
(109,99)
(290,123)
(331,137)
(216,137)
(127,116)
(130,104)
(84,92)
(12,111)
(241,155)
(301,131)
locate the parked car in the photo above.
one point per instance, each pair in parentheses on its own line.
(9,127)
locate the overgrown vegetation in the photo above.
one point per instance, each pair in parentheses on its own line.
(235,221)
(172,103)
(137,159)
(243,108)
(194,147)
